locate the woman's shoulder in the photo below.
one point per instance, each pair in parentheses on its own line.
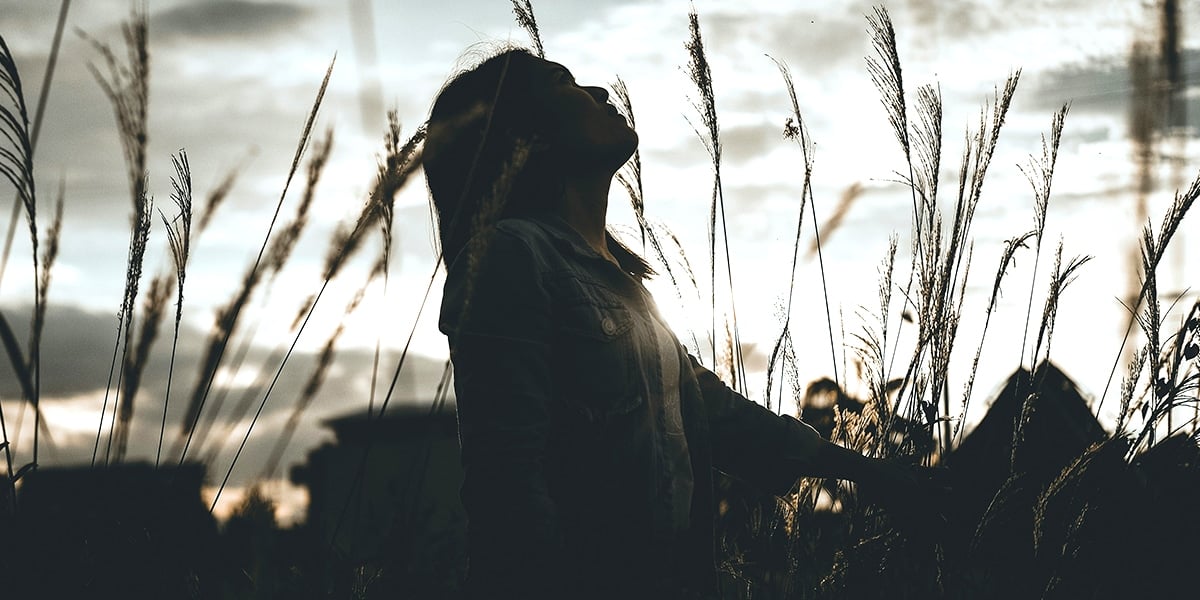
(534,234)
(517,238)
(528,229)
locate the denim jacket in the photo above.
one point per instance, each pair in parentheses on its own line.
(556,373)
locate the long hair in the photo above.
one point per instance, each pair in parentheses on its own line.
(479,160)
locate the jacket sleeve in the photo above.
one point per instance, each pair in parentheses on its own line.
(495,313)
(749,442)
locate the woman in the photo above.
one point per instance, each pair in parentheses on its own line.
(588,433)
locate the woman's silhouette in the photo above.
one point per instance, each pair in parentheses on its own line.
(589,434)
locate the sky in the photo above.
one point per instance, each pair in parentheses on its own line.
(232,81)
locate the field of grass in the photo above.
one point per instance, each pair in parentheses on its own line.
(1067,514)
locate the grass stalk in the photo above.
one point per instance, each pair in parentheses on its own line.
(1007,258)
(153,310)
(227,317)
(630,177)
(796,130)
(16,165)
(179,238)
(1040,174)
(524,13)
(1060,278)
(139,235)
(49,256)
(38,113)
(700,72)
(395,171)
(126,85)
(277,257)
(1153,249)
(315,380)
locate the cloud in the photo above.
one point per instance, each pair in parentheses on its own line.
(822,41)
(1105,87)
(77,350)
(225,20)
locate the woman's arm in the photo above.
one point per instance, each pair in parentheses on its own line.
(496,316)
(773,451)
(752,443)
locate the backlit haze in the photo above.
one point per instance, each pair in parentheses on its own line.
(232,81)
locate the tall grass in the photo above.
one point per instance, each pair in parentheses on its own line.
(228,316)
(16,164)
(179,237)
(941,252)
(38,114)
(126,84)
(1163,376)
(733,366)
(795,129)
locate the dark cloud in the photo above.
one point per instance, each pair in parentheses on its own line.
(77,352)
(77,348)
(739,145)
(227,19)
(1105,87)
(747,142)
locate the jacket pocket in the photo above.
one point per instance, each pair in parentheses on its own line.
(597,358)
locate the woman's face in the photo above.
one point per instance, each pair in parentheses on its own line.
(580,126)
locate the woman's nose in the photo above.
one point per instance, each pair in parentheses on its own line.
(599,93)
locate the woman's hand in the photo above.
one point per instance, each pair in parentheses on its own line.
(912,495)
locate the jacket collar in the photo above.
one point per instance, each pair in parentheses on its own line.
(566,237)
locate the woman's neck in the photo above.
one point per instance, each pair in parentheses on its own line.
(585,209)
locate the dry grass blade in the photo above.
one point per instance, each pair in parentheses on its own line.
(312,385)
(1171,380)
(39,113)
(49,256)
(977,166)
(179,238)
(630,178)
(524,13)
(396,170)
(139,236)
(153,310)
(1007,258)
(16,165)
(24,378)
(1040,174)
(887,75)
(284,242)
(1059,280)
(873,343)
(1153,250)
(700,72)
(1129,386)
(279,252)
(217,196)
(834,221)
(795,129)
(227,316)
(393,154)
(126,85)
(927,152)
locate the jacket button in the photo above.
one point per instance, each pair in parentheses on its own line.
(608,326)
